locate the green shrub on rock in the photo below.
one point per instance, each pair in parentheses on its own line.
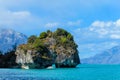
(43,35)
(32,39)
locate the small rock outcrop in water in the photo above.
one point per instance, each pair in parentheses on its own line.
(49,48)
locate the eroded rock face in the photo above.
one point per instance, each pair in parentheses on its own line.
(66,57)
(33,59)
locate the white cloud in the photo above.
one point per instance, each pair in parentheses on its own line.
(106,29)
(14,14)
(74,23)
(62,24)
(22,14)
(12,19)
(102,24)
(52,25)
(117,23)
(115,36)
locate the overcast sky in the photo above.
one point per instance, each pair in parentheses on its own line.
(95,24)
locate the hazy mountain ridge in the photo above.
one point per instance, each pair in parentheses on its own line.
(110,56)
(9,37)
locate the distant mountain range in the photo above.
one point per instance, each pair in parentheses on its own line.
(8,38)
(111,56)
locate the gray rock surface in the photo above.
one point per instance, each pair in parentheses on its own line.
(33,59)
(71,59)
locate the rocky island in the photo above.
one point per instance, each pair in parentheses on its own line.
(49,48)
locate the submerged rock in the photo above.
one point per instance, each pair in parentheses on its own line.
(25,67)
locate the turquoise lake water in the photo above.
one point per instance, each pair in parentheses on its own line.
(82,72)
